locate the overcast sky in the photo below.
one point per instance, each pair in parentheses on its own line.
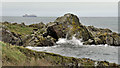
(86,9)
(59,0)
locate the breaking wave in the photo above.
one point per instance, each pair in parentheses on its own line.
(73,41)
(75,48)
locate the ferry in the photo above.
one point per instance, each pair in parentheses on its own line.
(26,15)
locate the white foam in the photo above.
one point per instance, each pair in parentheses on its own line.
(61,40)
(73,41)
(29,47)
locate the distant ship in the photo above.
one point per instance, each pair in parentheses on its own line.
(26,15)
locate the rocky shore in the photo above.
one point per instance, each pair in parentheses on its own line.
(67,26)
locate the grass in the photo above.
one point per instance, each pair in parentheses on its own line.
(19,56)
(11,54)
(17,28)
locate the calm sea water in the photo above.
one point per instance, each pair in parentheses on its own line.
(101,22)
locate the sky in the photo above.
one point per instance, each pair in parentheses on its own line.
(55,9)
(59,0)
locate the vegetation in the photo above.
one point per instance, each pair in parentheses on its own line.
(17,55)
(19,29)
(41,35)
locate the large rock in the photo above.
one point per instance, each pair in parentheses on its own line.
(68,26)
(38,40)
(39,25)
(113,39)
(65,26)
(11,37)
(104,36)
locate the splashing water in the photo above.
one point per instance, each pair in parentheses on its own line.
(75,48)
(73,41)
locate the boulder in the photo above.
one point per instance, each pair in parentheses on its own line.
(89,42)
(116,41)
(109,40)
(11,37)
(113,39)
(39,25)
(68,26)
(37,40)
(97,41)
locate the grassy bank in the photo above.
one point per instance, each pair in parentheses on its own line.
(19,28)
(19,56)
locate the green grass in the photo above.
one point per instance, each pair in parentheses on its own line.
(18,55)
(22,30)
(11,54)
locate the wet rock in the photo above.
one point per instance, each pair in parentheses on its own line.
(109,40)
(117,41)
(104,36)
(89,42)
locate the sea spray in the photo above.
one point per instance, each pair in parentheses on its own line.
(75,48)
(73,41)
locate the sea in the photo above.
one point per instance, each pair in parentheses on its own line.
(74,47)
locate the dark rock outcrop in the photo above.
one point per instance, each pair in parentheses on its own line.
(39,25)
(37,39)
(113,39)
(11,37)
(103,36)
(67,26)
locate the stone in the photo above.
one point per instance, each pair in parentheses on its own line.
(66,27)
(97,41)
(109,40)
(11,37)
(89,42)
(39,25)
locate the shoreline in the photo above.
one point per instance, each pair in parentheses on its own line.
(84,20)
(64,53)
(44,35)
(53,56)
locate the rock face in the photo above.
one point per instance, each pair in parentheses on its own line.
(113,39)
(39,25)
(32,39)
(37,39)
(67,26)
(104,36)
(11,37)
